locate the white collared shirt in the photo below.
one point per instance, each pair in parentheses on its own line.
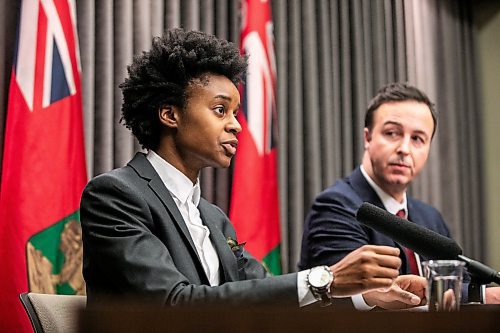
(187,197)
(391,205)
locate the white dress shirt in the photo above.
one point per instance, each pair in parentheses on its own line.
(392,206)
(187,197)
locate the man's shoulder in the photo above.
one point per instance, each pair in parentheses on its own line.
(342,190)
(421,206)
(427,215)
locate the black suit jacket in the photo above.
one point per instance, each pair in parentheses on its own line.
(136,244)
(331,230)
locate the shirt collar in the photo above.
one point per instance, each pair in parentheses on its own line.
(390,204)
(177,183)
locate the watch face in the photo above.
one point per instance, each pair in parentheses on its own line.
(319,277)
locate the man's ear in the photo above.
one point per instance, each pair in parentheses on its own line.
(168,115)
(367,136)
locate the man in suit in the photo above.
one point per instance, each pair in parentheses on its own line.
(400,123)
(148,234)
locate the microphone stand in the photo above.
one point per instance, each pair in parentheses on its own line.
(480,275)
(475,292)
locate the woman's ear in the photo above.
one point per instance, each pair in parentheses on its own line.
(168,115)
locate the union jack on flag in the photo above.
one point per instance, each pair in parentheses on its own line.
(43,166)
(46,73)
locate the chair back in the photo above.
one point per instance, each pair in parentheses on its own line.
(50,313)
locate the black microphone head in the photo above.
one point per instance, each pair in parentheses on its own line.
(421,240)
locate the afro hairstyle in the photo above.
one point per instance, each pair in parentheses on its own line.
(160,77)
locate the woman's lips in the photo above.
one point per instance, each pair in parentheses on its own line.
(230,146)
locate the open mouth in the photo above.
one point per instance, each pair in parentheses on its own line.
(230,146)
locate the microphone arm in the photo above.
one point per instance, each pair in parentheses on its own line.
(480,275)
(479,272)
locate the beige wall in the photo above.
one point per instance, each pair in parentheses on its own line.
(489,48)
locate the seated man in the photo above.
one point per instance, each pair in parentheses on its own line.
(148,234)
(399,126)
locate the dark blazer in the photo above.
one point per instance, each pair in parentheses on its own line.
(136,244)
(331,230)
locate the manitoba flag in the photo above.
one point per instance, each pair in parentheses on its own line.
(43,170)
(254,207)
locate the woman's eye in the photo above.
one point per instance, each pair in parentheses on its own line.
(219,109)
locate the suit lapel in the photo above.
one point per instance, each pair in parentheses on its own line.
(363,189)
(368,194)
(146,171)
(226,256)
(413,214)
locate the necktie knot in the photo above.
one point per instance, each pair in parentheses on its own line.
(401,213)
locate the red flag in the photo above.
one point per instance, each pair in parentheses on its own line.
(254,202)
(43,172)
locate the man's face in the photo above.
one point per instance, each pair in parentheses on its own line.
(398,145)
(207,126)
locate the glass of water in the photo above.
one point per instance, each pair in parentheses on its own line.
(444,284)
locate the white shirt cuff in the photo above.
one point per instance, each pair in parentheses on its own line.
(360,304)
(304,294)
(306,297)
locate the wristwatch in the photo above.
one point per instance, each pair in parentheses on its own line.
(319,281)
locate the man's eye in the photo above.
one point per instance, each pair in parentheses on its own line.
(418,139)
(391,133)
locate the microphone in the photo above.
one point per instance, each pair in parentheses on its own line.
(423,241)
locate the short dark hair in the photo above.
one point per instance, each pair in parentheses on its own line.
(398,92)
(160,76)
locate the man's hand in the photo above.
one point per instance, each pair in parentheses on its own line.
(492,295)
(366,268)
(407,291)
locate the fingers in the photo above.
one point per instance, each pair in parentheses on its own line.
(406,291)
(384,256)
(416,282)
(392,298)
(380,283)
(449,300)
(492,295)
(368,267)
(406,297)
(380,249)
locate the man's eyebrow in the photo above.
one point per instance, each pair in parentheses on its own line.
(392,122)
